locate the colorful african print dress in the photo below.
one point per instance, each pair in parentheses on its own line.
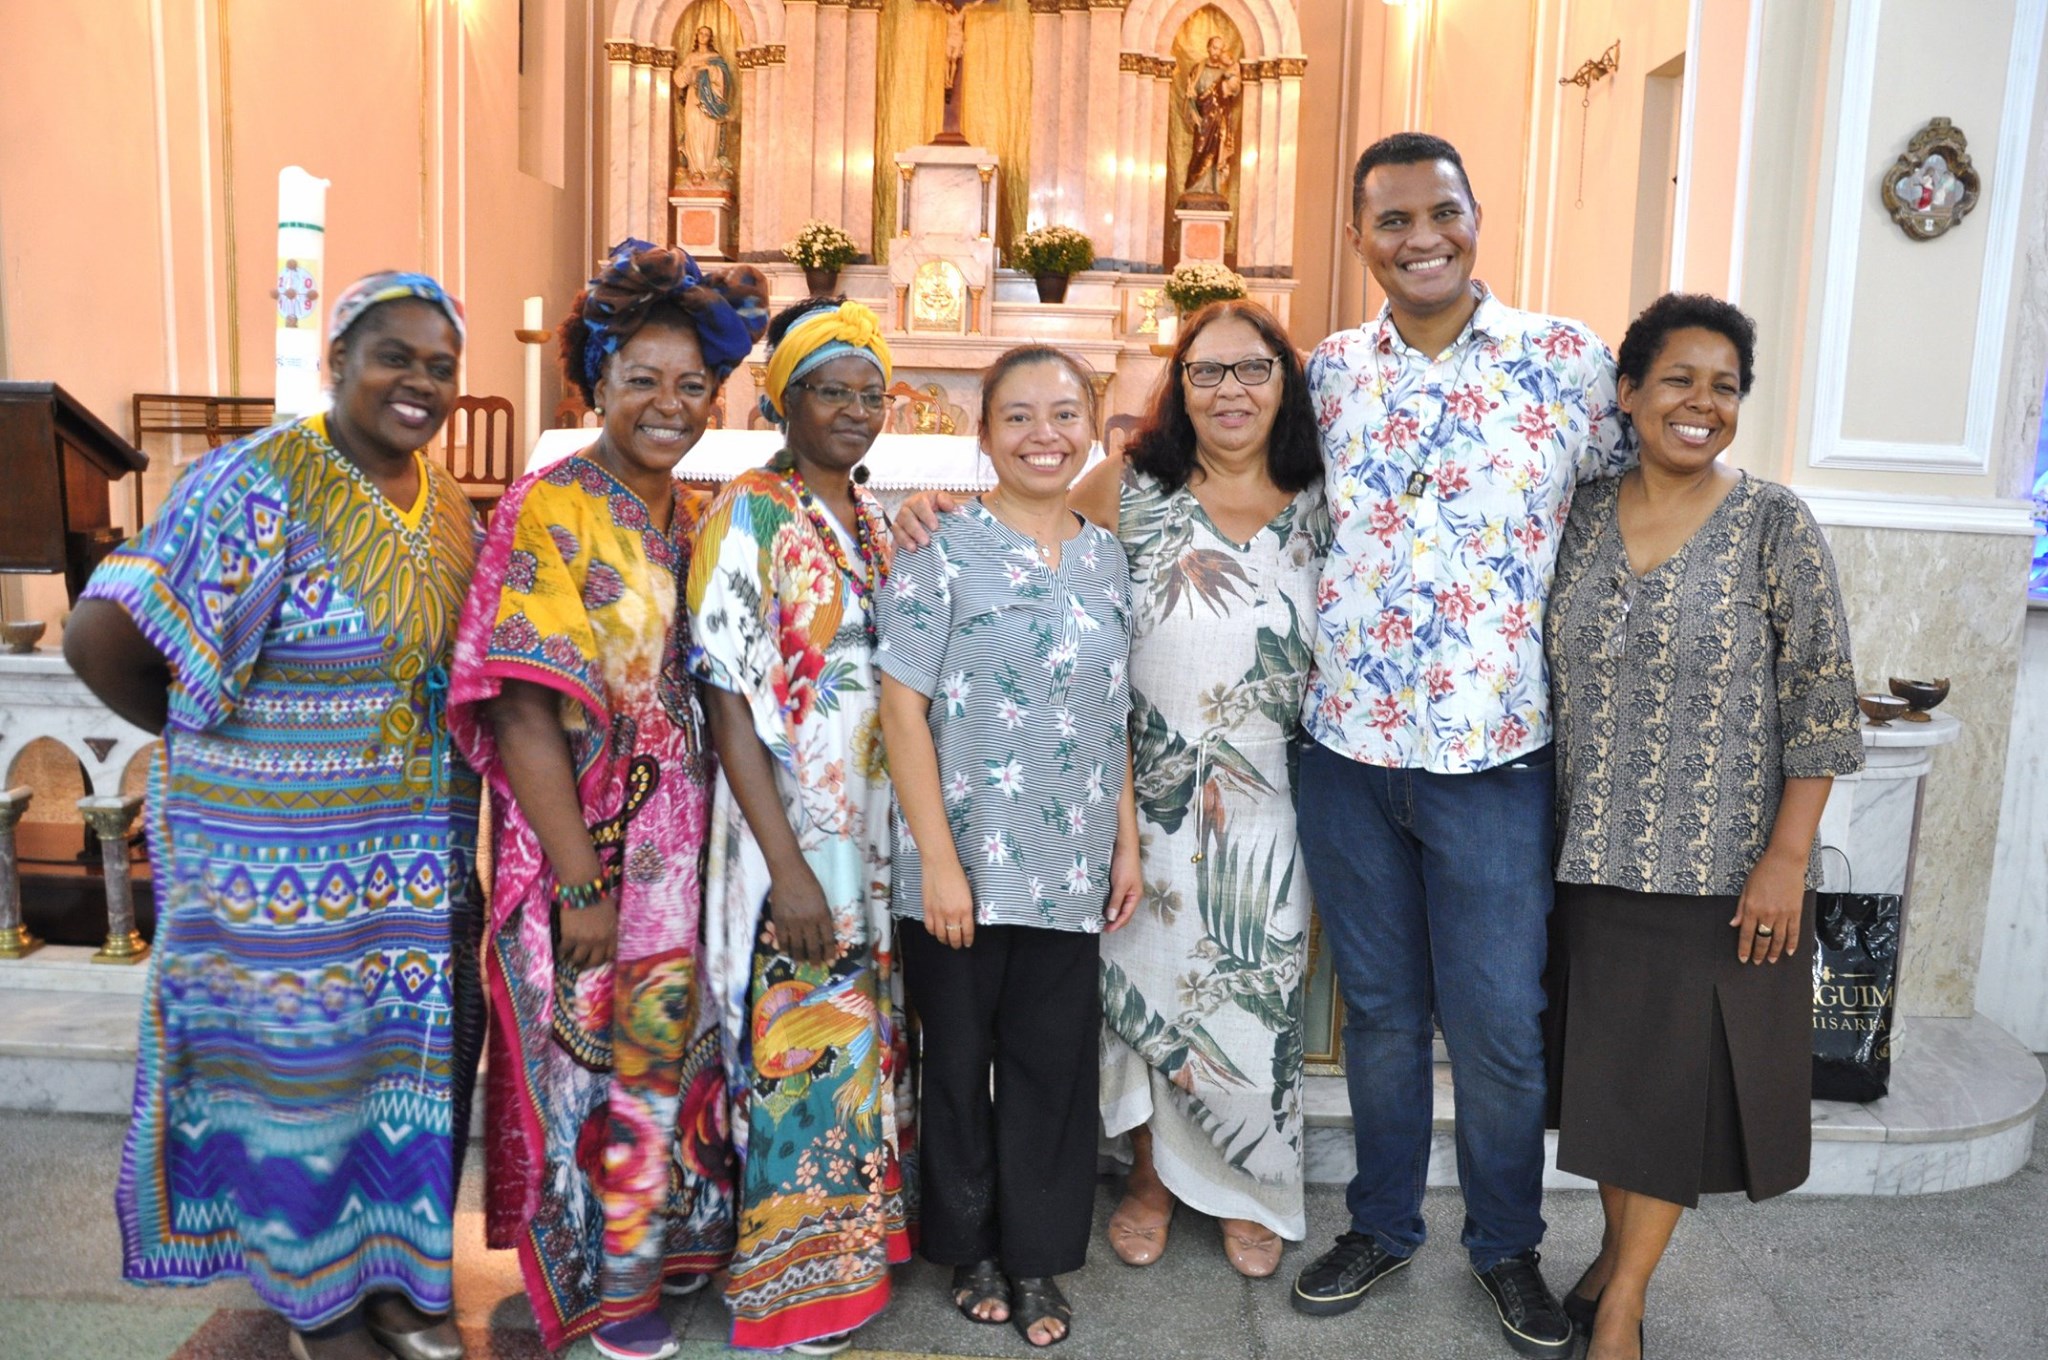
(605,1149)
(301,1087)
(815,1053)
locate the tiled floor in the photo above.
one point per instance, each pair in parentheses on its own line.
(1935,1277)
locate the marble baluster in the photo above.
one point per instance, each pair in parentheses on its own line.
(111,819)
(618,208)
(639,173)
(15,941)
(1288,83)
(1251,170)
(1132,89)
(1161,157)
(661,142)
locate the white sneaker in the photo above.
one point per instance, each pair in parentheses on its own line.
(824,1345)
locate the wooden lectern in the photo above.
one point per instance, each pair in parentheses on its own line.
(57,461)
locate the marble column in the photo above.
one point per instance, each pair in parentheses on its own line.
(1105,39)
(795,111)
(661,142)
(1161,157)
(112,818)
(1133,103)
(618,209)
(1070,198)
(15,941)
(1045,112)
(828,95)
(1270,188)
(863,43)
(1251,198)
(1290,71)
(639,174)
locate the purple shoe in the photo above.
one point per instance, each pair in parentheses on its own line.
(646,1337)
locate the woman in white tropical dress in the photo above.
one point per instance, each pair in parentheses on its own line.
(1220,508)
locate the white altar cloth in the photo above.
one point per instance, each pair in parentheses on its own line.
(898,462)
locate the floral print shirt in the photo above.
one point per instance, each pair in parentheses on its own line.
(1027,668)
(1449,478)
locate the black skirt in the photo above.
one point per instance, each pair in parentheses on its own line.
(1682,1071)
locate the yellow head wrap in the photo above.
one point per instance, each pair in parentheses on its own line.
(818,338)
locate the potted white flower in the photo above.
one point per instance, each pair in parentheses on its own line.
(1052,255)
(1192,286)
(821,250)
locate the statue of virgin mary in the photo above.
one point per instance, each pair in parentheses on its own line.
(704,100)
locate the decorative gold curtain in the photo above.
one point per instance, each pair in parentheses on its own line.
(910,84)
(1190,50)
(717,16)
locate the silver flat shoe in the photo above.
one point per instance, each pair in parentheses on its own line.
(296,1345)
(439,1342)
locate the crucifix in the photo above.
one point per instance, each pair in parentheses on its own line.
(956,49)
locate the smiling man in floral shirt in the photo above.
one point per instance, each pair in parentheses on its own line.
(1454,430)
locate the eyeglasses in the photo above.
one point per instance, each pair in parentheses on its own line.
(1625,590)
(838,396)
(1248,372)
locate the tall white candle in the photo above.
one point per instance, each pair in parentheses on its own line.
(301,255)
(532,321)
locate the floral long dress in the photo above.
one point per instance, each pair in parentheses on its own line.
(606,1155)
(814,1052)
(1202,992)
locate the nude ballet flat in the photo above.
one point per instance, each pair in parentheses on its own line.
(1137,1240)
(1254,1255)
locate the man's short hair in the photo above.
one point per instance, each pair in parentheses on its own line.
(1405,148)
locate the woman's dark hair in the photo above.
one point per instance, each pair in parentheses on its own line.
(1164,447)
(1684,311)
(1010,360)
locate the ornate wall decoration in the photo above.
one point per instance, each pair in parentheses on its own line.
(938,298)
(1932,185)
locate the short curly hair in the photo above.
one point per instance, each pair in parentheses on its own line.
(1684,311)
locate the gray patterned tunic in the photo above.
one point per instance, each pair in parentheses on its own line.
(1685,697)
(1025,666)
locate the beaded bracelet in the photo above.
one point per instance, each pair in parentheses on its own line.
(583,896)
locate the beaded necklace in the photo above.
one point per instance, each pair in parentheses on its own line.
(868,580)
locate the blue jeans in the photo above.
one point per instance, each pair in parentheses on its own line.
(1434,893)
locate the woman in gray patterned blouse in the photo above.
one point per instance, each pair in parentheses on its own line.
(1705,701)
(1005,694)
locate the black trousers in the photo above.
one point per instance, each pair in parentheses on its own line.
(1009,1176)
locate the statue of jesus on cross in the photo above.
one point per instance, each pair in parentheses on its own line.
(956,49)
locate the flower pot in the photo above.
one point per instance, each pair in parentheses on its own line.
(821,282)
(1051,287)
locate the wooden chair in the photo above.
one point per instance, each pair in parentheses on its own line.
(217,420)
(479,447)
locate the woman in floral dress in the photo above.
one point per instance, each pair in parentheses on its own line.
(797,942)
(570,695)
(1220,506)
(1005,701)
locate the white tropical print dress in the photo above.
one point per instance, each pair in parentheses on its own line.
(1202,992)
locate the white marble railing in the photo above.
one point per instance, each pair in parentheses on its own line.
(41,697)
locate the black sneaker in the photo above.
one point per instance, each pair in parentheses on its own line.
(1530,1317)
(1336,1281)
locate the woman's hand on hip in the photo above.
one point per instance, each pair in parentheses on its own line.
(918,520)
(948,905)
(1767,916)
(800,917)
(589,937)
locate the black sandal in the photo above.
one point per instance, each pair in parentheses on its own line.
(978,1284)
(1035,1299)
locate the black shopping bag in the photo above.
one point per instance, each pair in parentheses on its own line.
(1855,982)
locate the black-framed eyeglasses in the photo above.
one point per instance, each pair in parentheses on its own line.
(1248,372)
(839,396)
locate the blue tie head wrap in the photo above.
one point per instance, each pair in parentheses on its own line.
(728,309)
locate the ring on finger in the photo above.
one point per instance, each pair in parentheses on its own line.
(1765,931)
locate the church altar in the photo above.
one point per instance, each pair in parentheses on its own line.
(933,132)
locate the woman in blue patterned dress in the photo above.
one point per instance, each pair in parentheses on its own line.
(309,1027)
(1004,703)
